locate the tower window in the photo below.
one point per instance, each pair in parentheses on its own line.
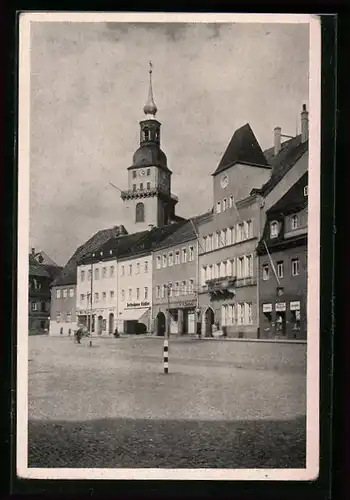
(134,174)
(148,171)
(140,212)
(141,185)
(146,134)
(148,185)
(134,187)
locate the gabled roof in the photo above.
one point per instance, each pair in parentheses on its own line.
(68,275)
(292,202)
(291,151)
(42,270)
(43,258)
(184,233)
(243,148)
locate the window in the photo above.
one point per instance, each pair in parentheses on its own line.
(163,291)
(82,275)
(122,271)
(240,270)
(224,312)
(295,221)
(249,265)
(177,289)
(249,228)
(159,262)
(223,237)
(165,260)
(240,314)
(265,272)
(217,270)
(191,286)
(217,240)
(191,254)
(97,274)
(145,267)
(210,272)
(140,212)
(224,269)
(71,292)
(130,270)
(306,191)
(58,317)
(224,204)
(148,185)
(158,292)
(34,306)
(111,295)
(233,234)
(233,267)
(280,269)
(295,267)
(138,268)
(146,134)
(123,295)
(205,243)
(218,207)
(130,294)
(82,297)
(210,242)
(111,271)
(89,275)
(170,259)
(104,296)
(248,313)
(96,297)
(184,288)
(141,186)
(137,293)
(88,297)
(273,229)
(240,232)
(58,293)
(145,294)
(184,255)
(177,257)
(134,187)
(148,171)
(65,293)
(203,275)
(134,174)
(104,272)
(230,202)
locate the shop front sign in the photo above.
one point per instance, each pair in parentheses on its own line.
(280,306)
(267,308)
(294,305)
(135,305)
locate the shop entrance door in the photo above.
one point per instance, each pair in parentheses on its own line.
(281,324)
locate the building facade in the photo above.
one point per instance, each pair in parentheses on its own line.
(175,280)
(228,295)
(41,275)
(283,266)
(63,311)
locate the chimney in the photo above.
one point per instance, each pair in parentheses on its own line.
(304,124)
(277,140)
(33,251)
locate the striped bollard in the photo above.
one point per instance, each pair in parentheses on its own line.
(166,355)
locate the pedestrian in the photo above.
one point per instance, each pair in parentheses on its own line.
(78,335)
(116,333)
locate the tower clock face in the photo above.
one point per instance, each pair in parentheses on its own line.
(224,181)
(142,172)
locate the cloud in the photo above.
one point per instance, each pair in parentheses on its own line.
(88,87)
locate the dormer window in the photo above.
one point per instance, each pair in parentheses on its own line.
(273,229)
(305,190)
(295,221)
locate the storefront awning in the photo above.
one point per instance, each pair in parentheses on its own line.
(133,314)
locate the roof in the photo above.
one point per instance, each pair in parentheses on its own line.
(149,155)
(43,258)
(243,148)
(292,202)
(291,151)
(185,232)
(68,276)
(42,270)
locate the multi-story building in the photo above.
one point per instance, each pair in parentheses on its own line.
(283,266)
(63,318)
(227,258)
(41,274)
(175,279)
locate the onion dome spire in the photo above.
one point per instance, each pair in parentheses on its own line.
(150,107)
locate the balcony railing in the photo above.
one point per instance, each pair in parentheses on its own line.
(144,193)
(249,281)
(226,285)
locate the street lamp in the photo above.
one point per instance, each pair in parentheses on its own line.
(198,311)
(166,337)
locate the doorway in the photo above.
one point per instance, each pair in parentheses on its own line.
(99,325)
(160,324)
(209,321)
(281,323)
(111,323)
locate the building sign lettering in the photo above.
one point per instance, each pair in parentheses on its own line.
(267,308)
(130,305)
(280,306)
(294,305)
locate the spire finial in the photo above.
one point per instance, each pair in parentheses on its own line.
(150,107)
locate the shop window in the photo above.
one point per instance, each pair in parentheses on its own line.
(295,320)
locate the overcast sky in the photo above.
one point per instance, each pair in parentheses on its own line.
(89,83)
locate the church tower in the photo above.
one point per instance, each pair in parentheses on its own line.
(149,178)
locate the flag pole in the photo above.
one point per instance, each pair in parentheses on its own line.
(272,263)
